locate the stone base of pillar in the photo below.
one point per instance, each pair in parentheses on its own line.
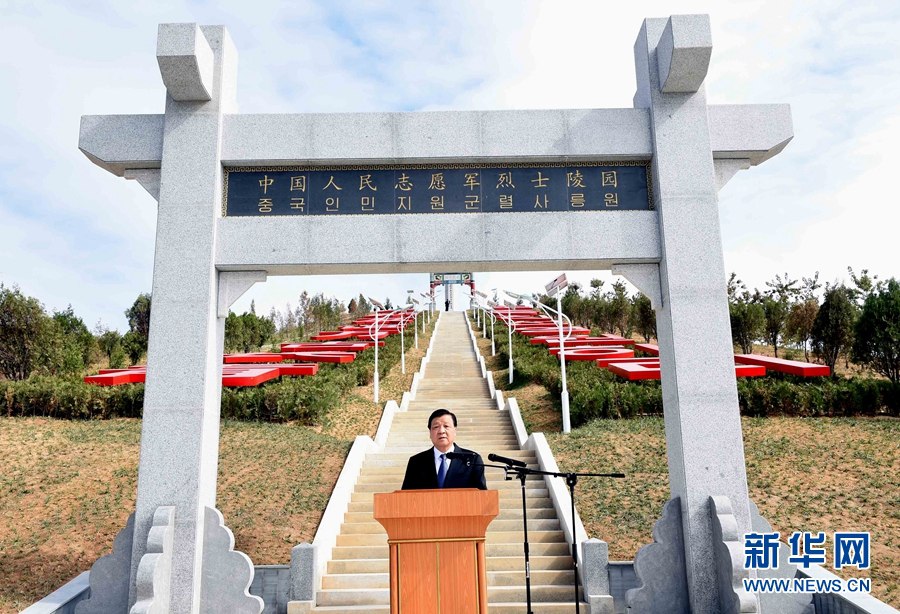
(154,573)
(227,573)
(660,568)
(109,576)
(783,603)
(729,553)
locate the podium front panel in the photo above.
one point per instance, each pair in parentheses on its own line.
(418,564)
(438,577)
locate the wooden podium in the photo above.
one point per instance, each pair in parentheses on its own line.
(436,541)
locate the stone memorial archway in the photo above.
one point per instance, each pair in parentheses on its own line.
(220,230)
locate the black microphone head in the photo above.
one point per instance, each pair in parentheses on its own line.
(506,461)
(460,455)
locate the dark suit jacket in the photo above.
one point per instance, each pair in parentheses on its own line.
(420,472)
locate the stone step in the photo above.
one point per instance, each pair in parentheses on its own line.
(496,483)
(506,505)
(381,596)
(535,524)
(399,454)
(379,580)
(413,444)
(395,475)
(511,536)
(469,415)
(560,607)
(505,493)
(535,549)
(494,563)
(493,608)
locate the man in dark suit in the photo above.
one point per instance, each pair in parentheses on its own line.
(432,469)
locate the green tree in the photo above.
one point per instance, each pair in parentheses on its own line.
(776,303)
(139,326)
(619,309)
(133,346)
(863,285)
(23,329)
(747,323)
(247,332)
(877,333)
(644,317)
(107,340)
(363,306)
(746,315)
(234,333)
(77,335)
(800,322)
(832,332)
(597,307)
(775,314)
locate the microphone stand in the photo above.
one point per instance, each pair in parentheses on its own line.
(571,481)
(521,472)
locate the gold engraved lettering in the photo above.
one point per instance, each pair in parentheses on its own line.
(332,184)
(365,182)
(403,183)
(575,179)
(505,180)
(541,181)
(298,184)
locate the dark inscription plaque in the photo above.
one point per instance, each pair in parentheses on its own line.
(434,189)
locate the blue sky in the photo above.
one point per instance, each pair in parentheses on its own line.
(72,233)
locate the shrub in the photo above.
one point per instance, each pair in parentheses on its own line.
(308,399)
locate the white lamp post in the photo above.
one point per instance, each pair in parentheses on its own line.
(483,323)
(564,397)
(416,320)
(402,325)
(427,310)
(491,304)
(378,307)
(510,329)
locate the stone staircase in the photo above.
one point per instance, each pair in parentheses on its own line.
(356,579)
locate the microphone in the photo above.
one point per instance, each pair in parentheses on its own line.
(464,456)
(506,461)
